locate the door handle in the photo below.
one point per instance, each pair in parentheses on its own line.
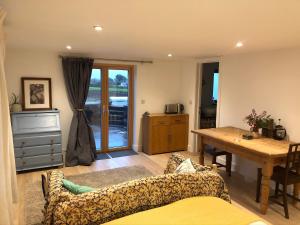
(103,109)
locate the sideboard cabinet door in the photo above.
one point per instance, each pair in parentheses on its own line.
(165,133)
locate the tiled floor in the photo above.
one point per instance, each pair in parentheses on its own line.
(118,136)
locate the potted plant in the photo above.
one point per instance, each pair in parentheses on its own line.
(267,125)
(254,120)
(15,103)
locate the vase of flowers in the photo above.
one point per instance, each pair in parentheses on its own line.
(254,120)
(15,103)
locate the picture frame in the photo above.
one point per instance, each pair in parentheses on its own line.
(36,93)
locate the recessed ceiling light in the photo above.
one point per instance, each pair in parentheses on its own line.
(98,28)
(69,47)
(170,55)
(239,44)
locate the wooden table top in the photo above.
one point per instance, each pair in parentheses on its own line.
(261,145)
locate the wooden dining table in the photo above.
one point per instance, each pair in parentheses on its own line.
(265,151)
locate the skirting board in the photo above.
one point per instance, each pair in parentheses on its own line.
(137,148)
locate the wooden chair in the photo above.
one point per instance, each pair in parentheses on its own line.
(288,175)
(45,187)
(215,153)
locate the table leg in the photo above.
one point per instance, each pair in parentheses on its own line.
(267,172)
(200,149)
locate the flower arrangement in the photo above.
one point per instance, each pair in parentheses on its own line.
(256,121)
(14,99)
(15,105)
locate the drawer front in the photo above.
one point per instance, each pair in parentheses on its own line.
(38,161)
(160,120)
(179,119)
(35,122)
(37,150)
(21,142)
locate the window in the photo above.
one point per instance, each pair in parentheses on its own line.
(215,86)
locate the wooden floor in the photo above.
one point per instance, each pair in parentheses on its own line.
(242,193)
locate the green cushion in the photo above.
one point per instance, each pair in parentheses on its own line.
(75,188)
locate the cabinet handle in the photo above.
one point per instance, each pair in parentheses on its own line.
(22,145)
(52,159)
(52,141)
(23,153)
(24,163)
(162,123)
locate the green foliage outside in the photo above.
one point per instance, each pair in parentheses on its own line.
(111,89)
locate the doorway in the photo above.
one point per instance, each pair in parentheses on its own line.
(109,106)
(209,95)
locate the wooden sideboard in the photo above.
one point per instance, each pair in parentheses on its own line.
(37,139)
(165,133)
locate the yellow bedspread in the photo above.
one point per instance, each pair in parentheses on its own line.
(191,211)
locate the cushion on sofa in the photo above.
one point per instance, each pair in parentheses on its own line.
(75,188)
(176,159)
(185,167)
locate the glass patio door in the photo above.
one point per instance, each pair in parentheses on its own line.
(109,106)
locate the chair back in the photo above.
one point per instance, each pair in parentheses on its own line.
(293,159)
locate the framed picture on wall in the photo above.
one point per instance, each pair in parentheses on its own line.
(36,93)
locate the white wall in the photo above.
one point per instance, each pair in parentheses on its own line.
(157,84)
(188,91)
(264,81)
(21,63)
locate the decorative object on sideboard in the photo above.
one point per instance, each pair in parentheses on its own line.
(15,105)
(36,93)
(254,121)
(267,126)
(174,108)
(279,131)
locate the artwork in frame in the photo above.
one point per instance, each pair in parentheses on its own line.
(36,93)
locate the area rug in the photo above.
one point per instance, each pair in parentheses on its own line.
(34,201)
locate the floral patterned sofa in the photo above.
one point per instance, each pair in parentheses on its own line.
(109,203)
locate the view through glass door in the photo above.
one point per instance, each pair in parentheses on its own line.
(109,106)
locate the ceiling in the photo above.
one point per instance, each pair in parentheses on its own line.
(150,29)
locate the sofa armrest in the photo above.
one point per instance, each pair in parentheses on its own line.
(56,194)
(134,196)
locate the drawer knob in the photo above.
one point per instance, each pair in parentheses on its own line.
(52,141)
(24,163)
(52,159)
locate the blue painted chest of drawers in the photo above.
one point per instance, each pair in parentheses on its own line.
(37,139)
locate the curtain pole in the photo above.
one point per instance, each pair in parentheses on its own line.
(119,60)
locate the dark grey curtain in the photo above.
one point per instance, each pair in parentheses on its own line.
(81,148)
